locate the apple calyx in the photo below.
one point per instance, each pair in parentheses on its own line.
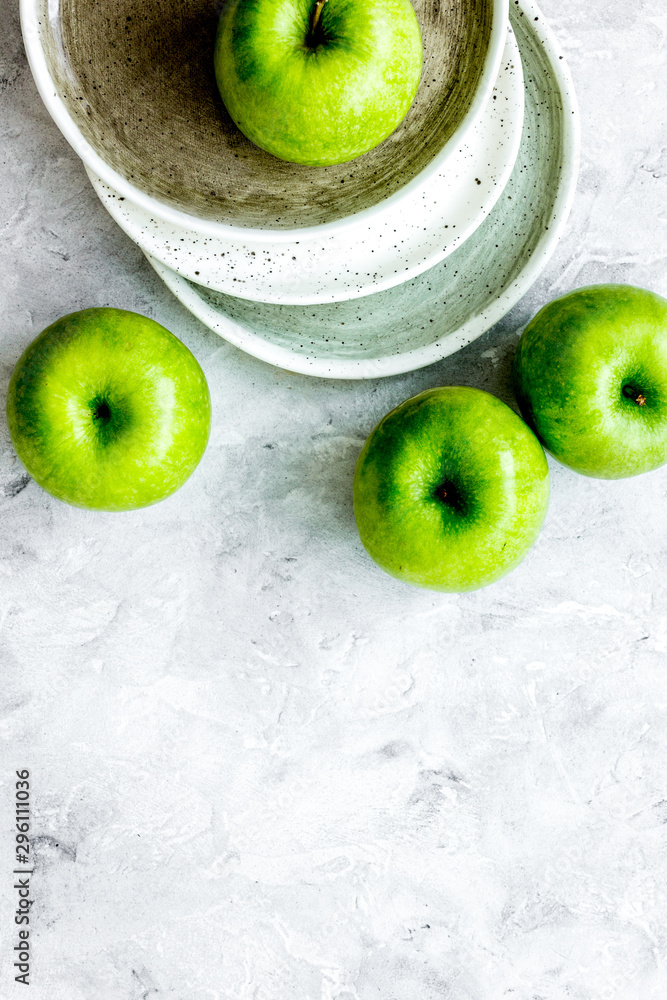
(102,412)
(105,420)
(631,392)
(450,496)
(313,39)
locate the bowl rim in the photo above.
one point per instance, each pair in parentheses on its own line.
(123,212)
(30,27)
(402,363)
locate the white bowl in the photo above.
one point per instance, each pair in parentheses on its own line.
(88,100)
(425,319)
(385,251)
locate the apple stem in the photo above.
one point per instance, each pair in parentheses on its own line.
(317,14)
(631,392)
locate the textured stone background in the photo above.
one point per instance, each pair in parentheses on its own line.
(261,768)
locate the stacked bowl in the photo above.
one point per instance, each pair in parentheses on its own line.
(373,267)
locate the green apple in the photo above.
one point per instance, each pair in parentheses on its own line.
(590,376)
(108,410)
(318,81)
(450,490)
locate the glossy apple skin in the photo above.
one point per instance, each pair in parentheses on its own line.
(580,367)
(495,475)
(108,410)
(325,104)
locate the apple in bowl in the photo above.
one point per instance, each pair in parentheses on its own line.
(318,82)
(108,410)
(450,490)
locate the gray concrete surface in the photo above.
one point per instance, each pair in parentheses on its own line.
(261,769)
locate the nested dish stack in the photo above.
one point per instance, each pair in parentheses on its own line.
(280,258)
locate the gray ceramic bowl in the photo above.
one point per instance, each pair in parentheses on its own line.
(131,86)
(436,313)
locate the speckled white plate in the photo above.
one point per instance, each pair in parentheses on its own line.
(378,253)
(431,316)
